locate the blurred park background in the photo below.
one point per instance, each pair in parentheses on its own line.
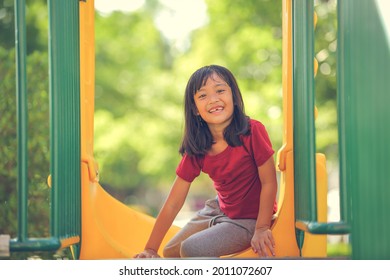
(145,52)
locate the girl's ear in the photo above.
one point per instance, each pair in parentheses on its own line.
(195,111)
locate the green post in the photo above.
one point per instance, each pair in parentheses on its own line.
(364,134)
(65,117)
(303,111)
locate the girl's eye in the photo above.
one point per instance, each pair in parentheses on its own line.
(202,96)
(220,91)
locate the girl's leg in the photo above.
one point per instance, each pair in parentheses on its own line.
(221,239)
(172,249)
(200,222)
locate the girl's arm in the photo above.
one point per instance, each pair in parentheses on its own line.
(263,240)
(165,218)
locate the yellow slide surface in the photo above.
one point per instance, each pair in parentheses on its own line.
(110,229)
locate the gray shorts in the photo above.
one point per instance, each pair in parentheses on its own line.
(211,234)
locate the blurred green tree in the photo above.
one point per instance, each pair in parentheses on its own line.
(36,25)
(38,145)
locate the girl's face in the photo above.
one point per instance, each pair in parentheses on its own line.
(214,102)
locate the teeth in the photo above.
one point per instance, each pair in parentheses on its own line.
(216,110)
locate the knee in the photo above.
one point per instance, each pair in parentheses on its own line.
(171,252)
(183,250)
(188,250)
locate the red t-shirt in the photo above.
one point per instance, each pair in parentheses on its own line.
(234,172)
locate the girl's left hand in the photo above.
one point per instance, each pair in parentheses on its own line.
(263,242)
(147,253)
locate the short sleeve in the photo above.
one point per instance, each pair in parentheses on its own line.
(189,167)
(260,143)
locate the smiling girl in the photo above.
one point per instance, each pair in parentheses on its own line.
(236,152)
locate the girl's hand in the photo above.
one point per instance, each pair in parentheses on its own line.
(147,254)
(262,242)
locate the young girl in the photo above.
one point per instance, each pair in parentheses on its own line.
(235,151)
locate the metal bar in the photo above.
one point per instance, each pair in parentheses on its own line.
(323,228)
(343,112)
(53,119)
(22,116)
(35,244)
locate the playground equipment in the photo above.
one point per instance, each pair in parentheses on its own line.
(91,222)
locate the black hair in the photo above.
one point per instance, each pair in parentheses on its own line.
(197,139)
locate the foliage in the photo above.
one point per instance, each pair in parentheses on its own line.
(8,146)
(339,250)
(136,131)
(38,145)
(325,81)
(36,25)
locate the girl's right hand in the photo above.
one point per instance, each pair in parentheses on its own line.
(147,254)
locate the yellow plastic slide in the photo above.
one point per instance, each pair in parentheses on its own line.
(110,229)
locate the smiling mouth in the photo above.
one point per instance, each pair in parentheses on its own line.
(215,110)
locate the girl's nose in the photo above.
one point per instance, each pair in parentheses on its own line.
(214,98)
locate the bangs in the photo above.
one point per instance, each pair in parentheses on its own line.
(200,78)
